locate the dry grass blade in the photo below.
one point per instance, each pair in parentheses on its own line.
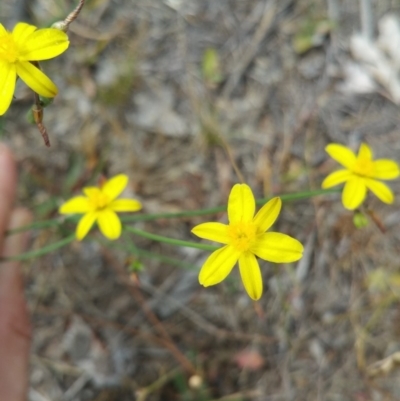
(384,366)
(265,25)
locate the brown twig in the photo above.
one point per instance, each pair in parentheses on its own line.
(377,221)
(72,16)
(251,48)
(98,322)
(37,111)
(205,325)
(137,294)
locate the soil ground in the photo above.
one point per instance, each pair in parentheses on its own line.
(188,97)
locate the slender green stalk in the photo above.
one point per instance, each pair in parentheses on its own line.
(171,241)
(218,209)
(145,234)
(38,225)
(34,226)
(165,259)
(154,216)
(153,255)
(129,246)
(42,251)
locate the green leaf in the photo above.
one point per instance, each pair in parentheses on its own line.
(42,251)
(211,66)
(136,266)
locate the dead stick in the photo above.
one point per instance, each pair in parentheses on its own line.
(135,291)
(72,16)
(37,111)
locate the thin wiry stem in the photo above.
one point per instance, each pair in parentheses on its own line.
(37,111)
(72,16)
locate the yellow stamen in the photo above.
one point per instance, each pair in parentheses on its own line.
(364,167)
(99,201)
(242,235)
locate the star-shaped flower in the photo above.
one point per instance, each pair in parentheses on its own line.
(361,172)
(101,205)
(18,48)
(245,237)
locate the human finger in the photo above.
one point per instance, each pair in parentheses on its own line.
(15,329)
(8,180)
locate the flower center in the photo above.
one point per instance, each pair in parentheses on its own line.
(8,48)
(364,167)
(99,201)
(242,235)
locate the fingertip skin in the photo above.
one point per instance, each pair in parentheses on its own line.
(15,328)
(8,180)
(15,334)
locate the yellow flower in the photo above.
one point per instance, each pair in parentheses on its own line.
(245,238)
(360,173)
(18,48)
(100,204)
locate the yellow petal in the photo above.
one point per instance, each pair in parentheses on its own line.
(79,204)
(125,205)
(114,186)
(354,193)
(3,30)
(109,224)
(21,31)
(217,232)
(8,77)
(278,248)
(35,79)
(267,215)
(341,154)
(381,190)
(91,192)
(251,275)
(85,224)
(365,152)
(241,204)
(385,169)
(336,178)
(43,44)
(218,266)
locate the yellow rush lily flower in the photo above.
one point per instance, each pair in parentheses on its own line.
(100,204)
(245,237)
(18,48)
(360,173)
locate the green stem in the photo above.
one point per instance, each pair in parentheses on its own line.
(153,255)
(218,209)
(154,216)
(165,259)
(42,251)
(145,234)
(170,241)
(44,224)
(131,248)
